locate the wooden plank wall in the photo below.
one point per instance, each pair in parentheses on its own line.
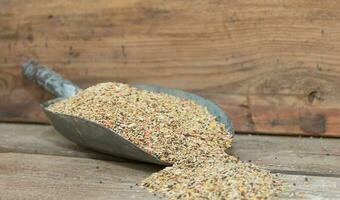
(272,65)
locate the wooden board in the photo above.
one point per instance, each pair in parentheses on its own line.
(37,163)
(25,176)
(288,155)
(272,65)
(311,187)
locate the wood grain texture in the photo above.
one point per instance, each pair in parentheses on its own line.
(42,139)
(289,154)
(311,187)
(272,65)
(25,176)
(279,154)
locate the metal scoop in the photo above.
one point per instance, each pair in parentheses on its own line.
(93,135)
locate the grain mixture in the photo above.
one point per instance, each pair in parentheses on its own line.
(178,131)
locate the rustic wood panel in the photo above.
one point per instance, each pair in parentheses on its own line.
(42,139)
(272,65)
(25,176)
(311,187)
(279,154)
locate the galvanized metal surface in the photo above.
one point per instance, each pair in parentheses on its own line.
(49,80)
(93,135)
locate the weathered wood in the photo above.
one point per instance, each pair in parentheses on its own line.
(309,156)
(25,176)
(273,65)
(42,139)
(311,187)
(279,114)
(281,154)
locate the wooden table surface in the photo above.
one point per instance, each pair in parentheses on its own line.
(37,163)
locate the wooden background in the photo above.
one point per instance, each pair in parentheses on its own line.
(272,65)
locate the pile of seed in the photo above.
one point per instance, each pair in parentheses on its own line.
(160,124)
(177,131)
(216,177)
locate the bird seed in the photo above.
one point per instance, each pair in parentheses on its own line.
(177,131)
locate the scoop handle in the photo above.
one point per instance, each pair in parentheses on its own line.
(49,79)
